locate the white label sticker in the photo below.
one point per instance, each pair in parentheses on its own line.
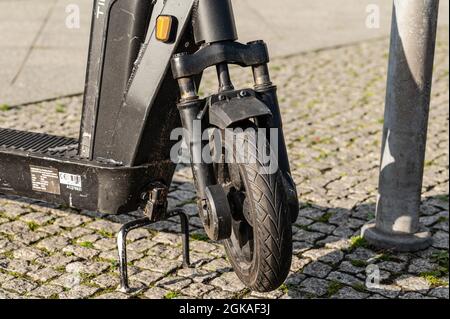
(44,179)
(71,181)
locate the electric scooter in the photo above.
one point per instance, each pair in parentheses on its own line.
(145,64)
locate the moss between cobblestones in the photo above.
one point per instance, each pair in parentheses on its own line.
(312,103)
(350,142)
(359,287)
(199,237)
(103,291)
(46,251)
(114,266)
(4,107)
(302,227)
(318,141)
(376,143)
(17,274)
(33,226)
(436,277)
(242,294)
(172,295)
(8,254)
(60,268)
(284,288)
(334,287)
(428,163)
(359,263)
(325,217)
(442,219)
(442,259)
(63,206)
(275,68)
(323,155)
(86,244)
(443,198)
(60,108)
(370,216)
(388,257)
(358,242)
(104,233)
(306,204)
(433,278)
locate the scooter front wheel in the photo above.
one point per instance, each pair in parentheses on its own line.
(260,246)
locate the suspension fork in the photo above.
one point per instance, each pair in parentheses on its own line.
(268,94)
(190,106)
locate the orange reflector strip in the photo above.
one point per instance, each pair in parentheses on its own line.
(163,28)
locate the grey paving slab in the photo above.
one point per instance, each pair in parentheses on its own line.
(44,58)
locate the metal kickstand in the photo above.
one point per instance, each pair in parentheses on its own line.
(142,222)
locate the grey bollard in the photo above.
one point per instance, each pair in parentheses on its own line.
(413,38)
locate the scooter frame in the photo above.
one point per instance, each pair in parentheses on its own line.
(121,161)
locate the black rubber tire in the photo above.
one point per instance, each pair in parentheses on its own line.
(271,224)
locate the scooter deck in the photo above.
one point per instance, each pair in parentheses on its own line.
(48,167)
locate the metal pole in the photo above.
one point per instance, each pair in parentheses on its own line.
(413,38)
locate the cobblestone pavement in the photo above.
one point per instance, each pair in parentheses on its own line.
(333,110)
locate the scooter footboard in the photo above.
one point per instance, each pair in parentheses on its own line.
(47,168)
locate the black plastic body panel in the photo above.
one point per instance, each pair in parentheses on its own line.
(237,106)
(148,114)
(130,97)
(118,31)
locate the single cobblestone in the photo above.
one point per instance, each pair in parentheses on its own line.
(412,283)
(174,283)
(154,263)
(43,275)
(53,244)
(326,255)
(28,253)
(420,265)
(46,291)
(146,277)
(113,295)
(78,292)
(19,285)
(345,279)
(106,281)
(156,293)
(315,286)
(228,282)
(317,269)
(441,292)
(349,293)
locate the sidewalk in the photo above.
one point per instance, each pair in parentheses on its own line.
(42,59)
(332,106)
